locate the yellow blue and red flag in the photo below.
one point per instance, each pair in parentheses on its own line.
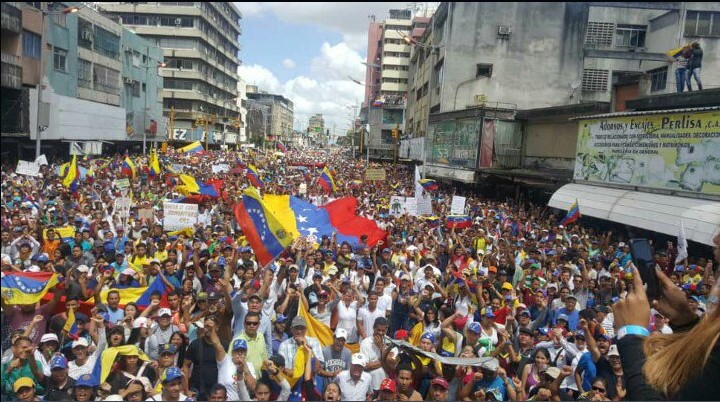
(154,164)
(267,236)
(190,185)
(254,177)
(27,287)
(572,215)
(458,221)
(192,148)
(71,326)
(128,168)
(429,184)
(72,178)
(327,181)
(140,295)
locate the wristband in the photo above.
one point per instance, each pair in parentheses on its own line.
(632,330)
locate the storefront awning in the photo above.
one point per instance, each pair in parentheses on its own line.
(655,212)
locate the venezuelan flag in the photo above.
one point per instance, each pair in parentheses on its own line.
(267,236)
(128,168)
(572,215)
(141,295)
(254,177)
(281,146)
(458,221)
(72,179)
(107,360)
(27,287)
(327,181)
(432,221)
(154,164)
(429,184)
(71,326)
(192,148)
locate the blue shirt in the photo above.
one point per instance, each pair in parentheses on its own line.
(116,316)
(573,318)
(586,368)
(496,386)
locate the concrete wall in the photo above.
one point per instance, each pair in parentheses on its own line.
(532,68)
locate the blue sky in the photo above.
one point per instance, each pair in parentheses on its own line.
(306,51)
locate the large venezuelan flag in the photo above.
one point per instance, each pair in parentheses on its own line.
(458,221)
(572,215)
(27,287)
(192,148)
(267,236)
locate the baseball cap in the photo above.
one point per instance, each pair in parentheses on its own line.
(429,336)
(83,268)
(526,331)
(278,359)
(113,397)
(571,296)
(553,372)
(85,380)
(492,269)
(580,334)
(80,342)
(526,312)
(341,333)
(543,331)
(167,348)
(386,250)
(23,382)
(613,351)
(281,318)
(164,311)
(507,286)
(359,359)
(58,361)
(441,382)
(563,317)
(475,327)
(487,312)
(129,272)
(602,337)
(239,344)
(49,338)
(298,321)
(172,373)
(388,384)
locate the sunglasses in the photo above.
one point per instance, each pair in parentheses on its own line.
(253,323)
(598,389)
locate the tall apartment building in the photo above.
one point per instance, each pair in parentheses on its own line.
(200,48)
(500,89)
(98,81)
(316,129)
(387,79)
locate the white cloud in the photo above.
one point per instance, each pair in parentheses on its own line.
(288,63)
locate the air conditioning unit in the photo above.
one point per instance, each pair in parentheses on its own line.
(178,21)
(504,30)
(128,80)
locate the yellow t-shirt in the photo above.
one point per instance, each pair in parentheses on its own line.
(137,263)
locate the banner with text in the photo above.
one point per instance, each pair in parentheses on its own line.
(375,174)
(179,216)
(458,205)
(674,151)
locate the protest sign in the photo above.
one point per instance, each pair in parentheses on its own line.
(221,168)
(122,207)
(403,205)
(458,205)
(179,216)
(375,174)
(41,160)
(145,213)
(28,168)
(122,183)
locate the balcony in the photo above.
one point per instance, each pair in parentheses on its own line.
(11,18)
(11,71)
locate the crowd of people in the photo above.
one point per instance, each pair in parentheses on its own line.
(513,307)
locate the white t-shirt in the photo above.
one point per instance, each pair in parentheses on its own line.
(372,353)
(226,376)
(368,318)
(347,320)
(351,390)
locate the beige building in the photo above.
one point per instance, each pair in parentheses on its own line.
(275,111)
(200,46)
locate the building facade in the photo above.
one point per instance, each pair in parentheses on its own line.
(274,112)
(98,81)
(316,129)
(200,48)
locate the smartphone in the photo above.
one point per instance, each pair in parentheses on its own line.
(642,257)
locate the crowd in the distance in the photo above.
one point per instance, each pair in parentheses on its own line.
(536,311)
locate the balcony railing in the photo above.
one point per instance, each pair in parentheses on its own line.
(11,18)
(11,75)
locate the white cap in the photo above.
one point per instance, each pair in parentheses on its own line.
(33,268)
(199,324)
(114,397)
(80,342)
(49,338)
(141,322)
(359,359)
(621,244)
(164,311)
(341,333)
(613,351)
(129,272)
(83,268)
(412,247)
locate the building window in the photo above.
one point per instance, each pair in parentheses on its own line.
(31,45)
(484,70)
(135,89)
(630,35)
(60,19)
(658,79)
(594,80)
(106,79)
(85,34)
(107,43)
(84,74)
(599,34)
(60,59)
(702,23)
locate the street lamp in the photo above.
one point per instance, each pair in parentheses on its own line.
(160,64)
(43,38)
